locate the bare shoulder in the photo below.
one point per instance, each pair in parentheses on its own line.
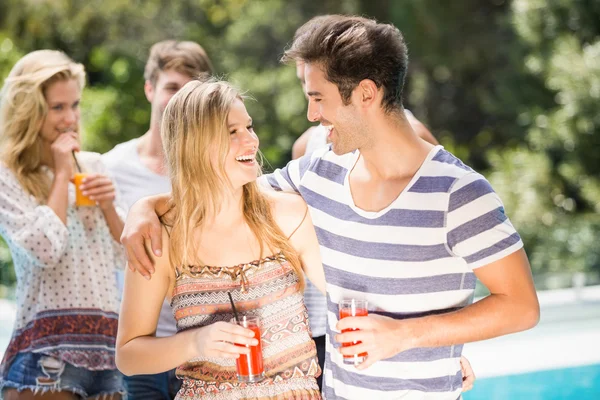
(162,263)
(288,210)
(420,129)
(299,147)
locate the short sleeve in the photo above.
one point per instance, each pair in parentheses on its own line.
(288,179)
(477,228)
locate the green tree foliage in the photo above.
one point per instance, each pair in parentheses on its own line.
(466,79)
(244,39)
(510,87)
(112,38)
(553,177)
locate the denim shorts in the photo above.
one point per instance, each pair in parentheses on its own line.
(41,373)
(163,386)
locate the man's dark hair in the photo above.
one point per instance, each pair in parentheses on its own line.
(351,49)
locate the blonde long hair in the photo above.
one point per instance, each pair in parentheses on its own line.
(23,109)
(194,125)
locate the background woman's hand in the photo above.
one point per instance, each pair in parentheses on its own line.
(62,149)
(99,188)
(216,340)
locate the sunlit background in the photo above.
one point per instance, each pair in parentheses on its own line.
(511,87)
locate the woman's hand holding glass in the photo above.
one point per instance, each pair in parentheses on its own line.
(100,189)
(217,340)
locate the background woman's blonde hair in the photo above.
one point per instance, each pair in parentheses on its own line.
(23,108)
(194,132)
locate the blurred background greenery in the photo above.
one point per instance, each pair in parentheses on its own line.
(511,87)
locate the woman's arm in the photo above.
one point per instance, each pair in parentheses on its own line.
(58,198)
(62,150)
(292,215)
(101,189)
(114,222)
(305,242)
(33,230)
(140,352)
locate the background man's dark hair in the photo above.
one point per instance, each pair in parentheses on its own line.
(351,49)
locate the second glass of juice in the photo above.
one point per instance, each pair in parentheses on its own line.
(80,199)
(353,308)
(250,366)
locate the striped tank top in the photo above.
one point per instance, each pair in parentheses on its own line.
(269,289)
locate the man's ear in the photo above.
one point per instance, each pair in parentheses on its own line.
(149,90)
(367,93)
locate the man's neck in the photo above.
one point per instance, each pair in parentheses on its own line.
(395,151)
(151,153)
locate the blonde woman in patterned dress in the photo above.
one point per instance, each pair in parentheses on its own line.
(63,341)
(223,235)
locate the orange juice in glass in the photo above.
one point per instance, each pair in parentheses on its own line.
(80,199)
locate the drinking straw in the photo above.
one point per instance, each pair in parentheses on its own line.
(235,314)
(76,163)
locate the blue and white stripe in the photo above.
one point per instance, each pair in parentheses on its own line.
(413,258)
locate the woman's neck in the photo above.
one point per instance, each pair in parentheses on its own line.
(231,211)
(46,156)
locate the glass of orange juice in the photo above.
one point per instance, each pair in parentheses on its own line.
(80,199)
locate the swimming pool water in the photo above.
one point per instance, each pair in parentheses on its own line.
(580,383)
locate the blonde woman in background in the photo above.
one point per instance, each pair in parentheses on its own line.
(64,256)
(223,235)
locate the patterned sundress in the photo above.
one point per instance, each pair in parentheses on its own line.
(269,289)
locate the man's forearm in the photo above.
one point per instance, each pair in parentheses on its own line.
(158,202)
(490,317)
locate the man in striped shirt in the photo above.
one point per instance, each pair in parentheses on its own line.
(401,223)
(314,138)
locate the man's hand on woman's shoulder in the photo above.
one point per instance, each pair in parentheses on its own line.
(142,225)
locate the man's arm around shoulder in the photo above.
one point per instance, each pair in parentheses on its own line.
(142,224)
